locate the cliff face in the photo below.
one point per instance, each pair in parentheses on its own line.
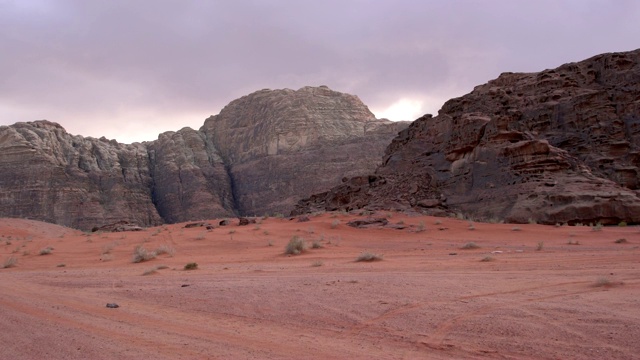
(562,145)
(260,155)
(50,175)
(283,145)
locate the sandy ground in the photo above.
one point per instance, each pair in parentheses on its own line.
(536,296)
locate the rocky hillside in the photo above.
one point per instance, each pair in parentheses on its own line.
(260,155)
(561,145)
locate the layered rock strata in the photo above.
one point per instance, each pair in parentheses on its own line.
(562,145)
(260,155)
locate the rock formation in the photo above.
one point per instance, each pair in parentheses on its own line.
(260,155)
(562,145)
(283,145)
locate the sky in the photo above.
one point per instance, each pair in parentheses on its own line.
(131,69)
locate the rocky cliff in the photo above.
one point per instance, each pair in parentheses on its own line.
(562,145)
(260,155)
(283,145)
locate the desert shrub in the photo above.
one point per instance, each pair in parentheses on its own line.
(141,254)
(191,266)
(295,246)
(471,226)
(106,249)
(317,263)
(532,221)
(316,244)
(487,259)
(621,241)
(597,227)
(470,245)
(573,242)
(335,223)
(154,270)
(368,256)
(540,245)
(516,228)
(165,249)
(10,262)
(421,227)
(622,223)
(46,251)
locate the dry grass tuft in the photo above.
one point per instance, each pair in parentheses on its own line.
(368,256)
(165,249)
(141,254)
(46,251)
(296,246)
(10,262)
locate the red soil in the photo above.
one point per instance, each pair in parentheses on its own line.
(249,300)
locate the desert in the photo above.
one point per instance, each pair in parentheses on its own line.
(319,180)
(442,288)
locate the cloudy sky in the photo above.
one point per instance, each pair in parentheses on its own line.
(130,69)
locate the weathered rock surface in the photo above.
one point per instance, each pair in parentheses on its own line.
(260,155)
(47,174)
(283,145)
(562,145)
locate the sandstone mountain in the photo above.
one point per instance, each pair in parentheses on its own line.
(260,155)
(561,145)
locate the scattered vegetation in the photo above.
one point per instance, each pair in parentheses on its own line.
(621,241)
(316,244)
(191,266)
(106,249)
(532,221)
(540,245)
(516,228)
(622,223)
(165,249)
(270,243)
(295,246)
(141,254)
(317,263)
(603,281)
(470,245)
(106,257)
(202,236)
(335,223)
(471,226)
(10,262)
(438,222)
(61,265)
(421,227)
(368,256)
(46,251)
(597,227)
(487,259)
(154,270)
(573,242)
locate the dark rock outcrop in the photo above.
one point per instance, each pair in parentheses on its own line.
(562,145)
(260,155)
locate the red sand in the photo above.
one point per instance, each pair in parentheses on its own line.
(249,300)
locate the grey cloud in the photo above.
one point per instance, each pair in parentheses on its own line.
(74,61)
